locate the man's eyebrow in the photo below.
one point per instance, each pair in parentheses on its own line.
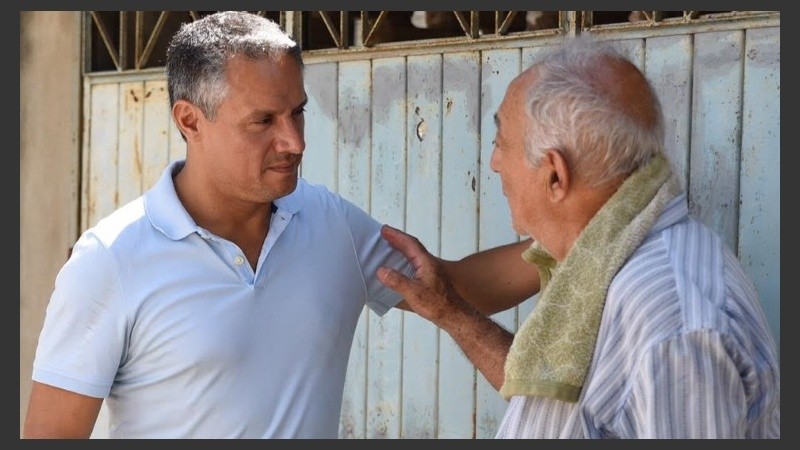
(267,112)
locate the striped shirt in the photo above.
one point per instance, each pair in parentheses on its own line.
(683,350)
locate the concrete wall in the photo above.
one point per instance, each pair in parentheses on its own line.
(49,167)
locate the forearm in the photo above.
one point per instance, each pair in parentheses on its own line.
(483,341)
(496,279)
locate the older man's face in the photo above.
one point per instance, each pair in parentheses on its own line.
(517,175)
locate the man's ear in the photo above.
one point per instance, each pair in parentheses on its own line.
(187,117)
(558,175)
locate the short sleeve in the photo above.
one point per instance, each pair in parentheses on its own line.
(373,252)
(83,336)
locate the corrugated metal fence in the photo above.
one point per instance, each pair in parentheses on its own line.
(408,138)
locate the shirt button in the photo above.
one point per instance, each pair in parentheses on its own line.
(238,260)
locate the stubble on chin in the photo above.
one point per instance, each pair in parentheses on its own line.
(285,189)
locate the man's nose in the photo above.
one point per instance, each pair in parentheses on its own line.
(494,162)
(290,136)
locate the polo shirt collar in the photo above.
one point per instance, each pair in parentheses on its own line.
(167,214)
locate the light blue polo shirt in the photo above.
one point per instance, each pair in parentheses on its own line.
(171,324)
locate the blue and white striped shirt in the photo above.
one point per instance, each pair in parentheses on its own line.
(683,350)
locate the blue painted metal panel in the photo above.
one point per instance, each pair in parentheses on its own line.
(668,65)
(353,141)
(388,195)
(760,210)
(423,204)
(716,131)
(498,68)
(460,179)
(320,157)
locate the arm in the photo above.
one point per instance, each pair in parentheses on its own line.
(491,280)
(431,295)
(496,279)
(55,413)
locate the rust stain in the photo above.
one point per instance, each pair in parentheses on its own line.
(474,422)
(148,94)
(135,98)
(473,184)
(448,106)
(91,207)
(137,157)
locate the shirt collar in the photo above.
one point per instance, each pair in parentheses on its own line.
(675,211)
(168,215)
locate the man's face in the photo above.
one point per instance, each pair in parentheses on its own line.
(253,147)
(517,175)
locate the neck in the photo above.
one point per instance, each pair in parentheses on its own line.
(220,214)
(578,210)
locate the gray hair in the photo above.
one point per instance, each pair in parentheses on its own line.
(571,111)
(198,54)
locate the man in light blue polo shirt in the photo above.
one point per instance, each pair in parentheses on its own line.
(223,302)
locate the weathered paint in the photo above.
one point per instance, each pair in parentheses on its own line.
(423,204)
(716,131)
(634,50)
(760,211)
(460,191)
(155,142)
(130,126)
(102,156)
(321,154)
(498,68)
(353,140)
(387,205)
(668,65)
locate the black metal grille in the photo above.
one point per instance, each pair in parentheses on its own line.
(135,40)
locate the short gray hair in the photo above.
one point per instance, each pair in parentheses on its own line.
(568,111)
(198,54)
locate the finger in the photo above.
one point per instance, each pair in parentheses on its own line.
(395,280)
(407,244)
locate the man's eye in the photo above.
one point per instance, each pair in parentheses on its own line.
(300,111)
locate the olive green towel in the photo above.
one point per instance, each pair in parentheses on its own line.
(552,350)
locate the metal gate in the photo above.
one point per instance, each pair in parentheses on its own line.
(405,132)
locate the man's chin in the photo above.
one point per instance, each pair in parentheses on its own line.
(286,188)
